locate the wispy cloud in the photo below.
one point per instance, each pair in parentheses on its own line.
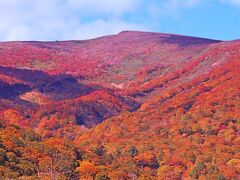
(171,8)
(101,27)
(69,19)
(234,2)
(83,19)
(96,7)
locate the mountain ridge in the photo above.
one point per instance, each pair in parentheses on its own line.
(120,33)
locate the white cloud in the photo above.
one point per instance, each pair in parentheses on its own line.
(100,28)
(64,19)
(19,32)
(81,19)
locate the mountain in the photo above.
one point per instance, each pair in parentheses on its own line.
(136,105)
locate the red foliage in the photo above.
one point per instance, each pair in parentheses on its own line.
(135,105)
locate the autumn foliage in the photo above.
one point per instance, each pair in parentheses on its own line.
(129,106)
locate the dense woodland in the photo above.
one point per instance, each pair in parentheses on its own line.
(129,106)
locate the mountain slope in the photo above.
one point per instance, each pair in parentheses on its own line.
(121,55)
(171,135)
(136,105)
(34,74)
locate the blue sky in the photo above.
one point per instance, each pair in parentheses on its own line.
(85,19)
